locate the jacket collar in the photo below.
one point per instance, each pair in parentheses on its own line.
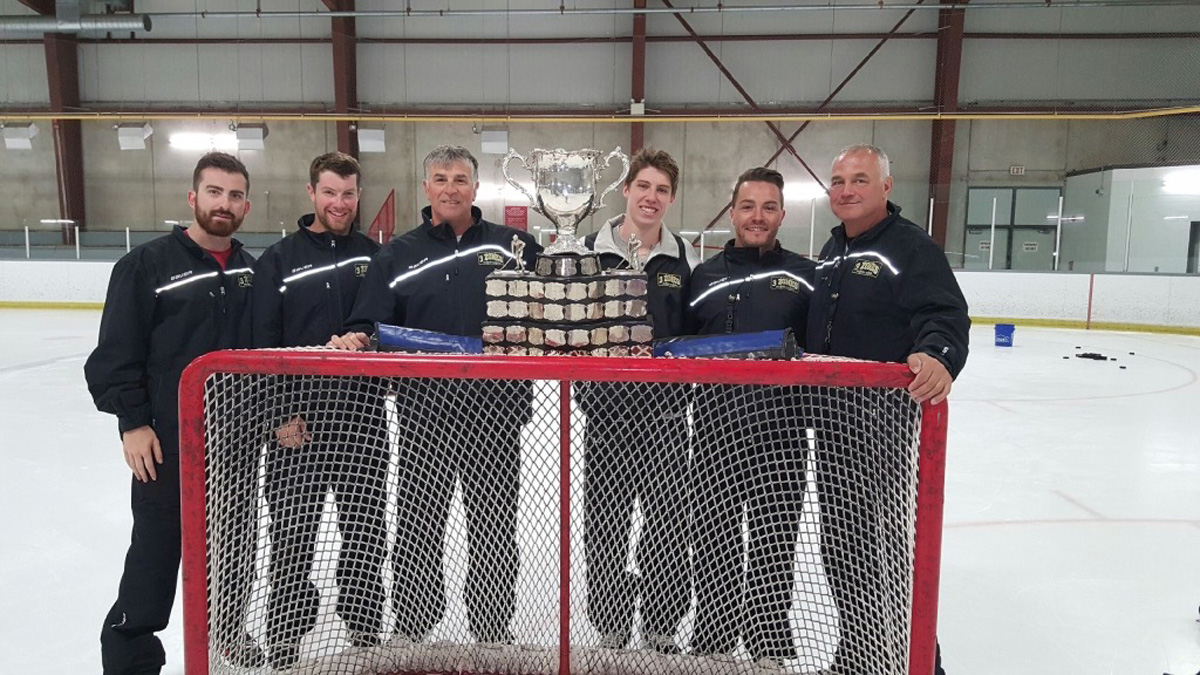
(443,230)
(876,230)
(608,240)
(322,239)
(752,256)
(181,235)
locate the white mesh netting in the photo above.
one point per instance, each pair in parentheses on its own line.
(402,524)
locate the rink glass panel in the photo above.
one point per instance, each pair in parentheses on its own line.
(697,490)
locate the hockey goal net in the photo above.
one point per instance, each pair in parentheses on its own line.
(383,513)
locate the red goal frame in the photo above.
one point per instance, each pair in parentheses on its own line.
(806,371)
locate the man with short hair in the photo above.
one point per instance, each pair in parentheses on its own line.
(884,292)
(636,439)
(325,438)
(169,301)
(433,278)
(749,441)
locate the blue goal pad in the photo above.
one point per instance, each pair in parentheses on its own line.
(768,344)
(388,338)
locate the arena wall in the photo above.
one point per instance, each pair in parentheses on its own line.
(1159,302)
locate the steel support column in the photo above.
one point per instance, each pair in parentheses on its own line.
(62,74)
(637,93)
(945,99)
(345,72)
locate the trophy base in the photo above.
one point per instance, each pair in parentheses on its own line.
(565,265)
(604,314)
(568,305)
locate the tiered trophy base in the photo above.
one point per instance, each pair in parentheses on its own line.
(567,306)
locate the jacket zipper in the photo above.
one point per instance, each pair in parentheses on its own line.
(334,303)
(835,286)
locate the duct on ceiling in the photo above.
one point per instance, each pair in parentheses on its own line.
(87,22)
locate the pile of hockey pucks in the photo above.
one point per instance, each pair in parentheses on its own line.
(1096,356)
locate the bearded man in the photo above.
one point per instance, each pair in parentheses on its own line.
(169,301)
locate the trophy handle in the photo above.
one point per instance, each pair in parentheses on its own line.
(513,154)
(620,179)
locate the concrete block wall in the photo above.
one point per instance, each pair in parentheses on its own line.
(142,189)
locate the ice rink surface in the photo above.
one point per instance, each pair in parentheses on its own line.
(1072,522)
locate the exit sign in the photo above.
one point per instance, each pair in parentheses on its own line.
(1016,170)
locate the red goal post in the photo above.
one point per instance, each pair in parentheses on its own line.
(818,413)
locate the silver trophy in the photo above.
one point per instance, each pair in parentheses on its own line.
(564,190)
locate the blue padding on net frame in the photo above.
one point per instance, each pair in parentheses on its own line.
(390,338)
(769,344)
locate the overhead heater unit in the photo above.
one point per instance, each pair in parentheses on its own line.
(251,136)
(371,140)
(133,136)
(19,136)
(494,142)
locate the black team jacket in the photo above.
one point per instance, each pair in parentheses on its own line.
(427,279)
(668,278)
(168,302)
(306,285)
(888,293)
(430,280)
(741,290)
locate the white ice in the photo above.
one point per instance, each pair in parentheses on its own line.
(1072,523)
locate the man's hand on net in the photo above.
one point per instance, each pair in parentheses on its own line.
(932,382)
(351,342)
(293,433)
(142,452)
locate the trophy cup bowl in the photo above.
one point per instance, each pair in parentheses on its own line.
(564,190)
(568,304)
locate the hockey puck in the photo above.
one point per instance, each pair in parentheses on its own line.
(1122,367)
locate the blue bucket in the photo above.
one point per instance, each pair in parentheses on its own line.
(1004,334)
